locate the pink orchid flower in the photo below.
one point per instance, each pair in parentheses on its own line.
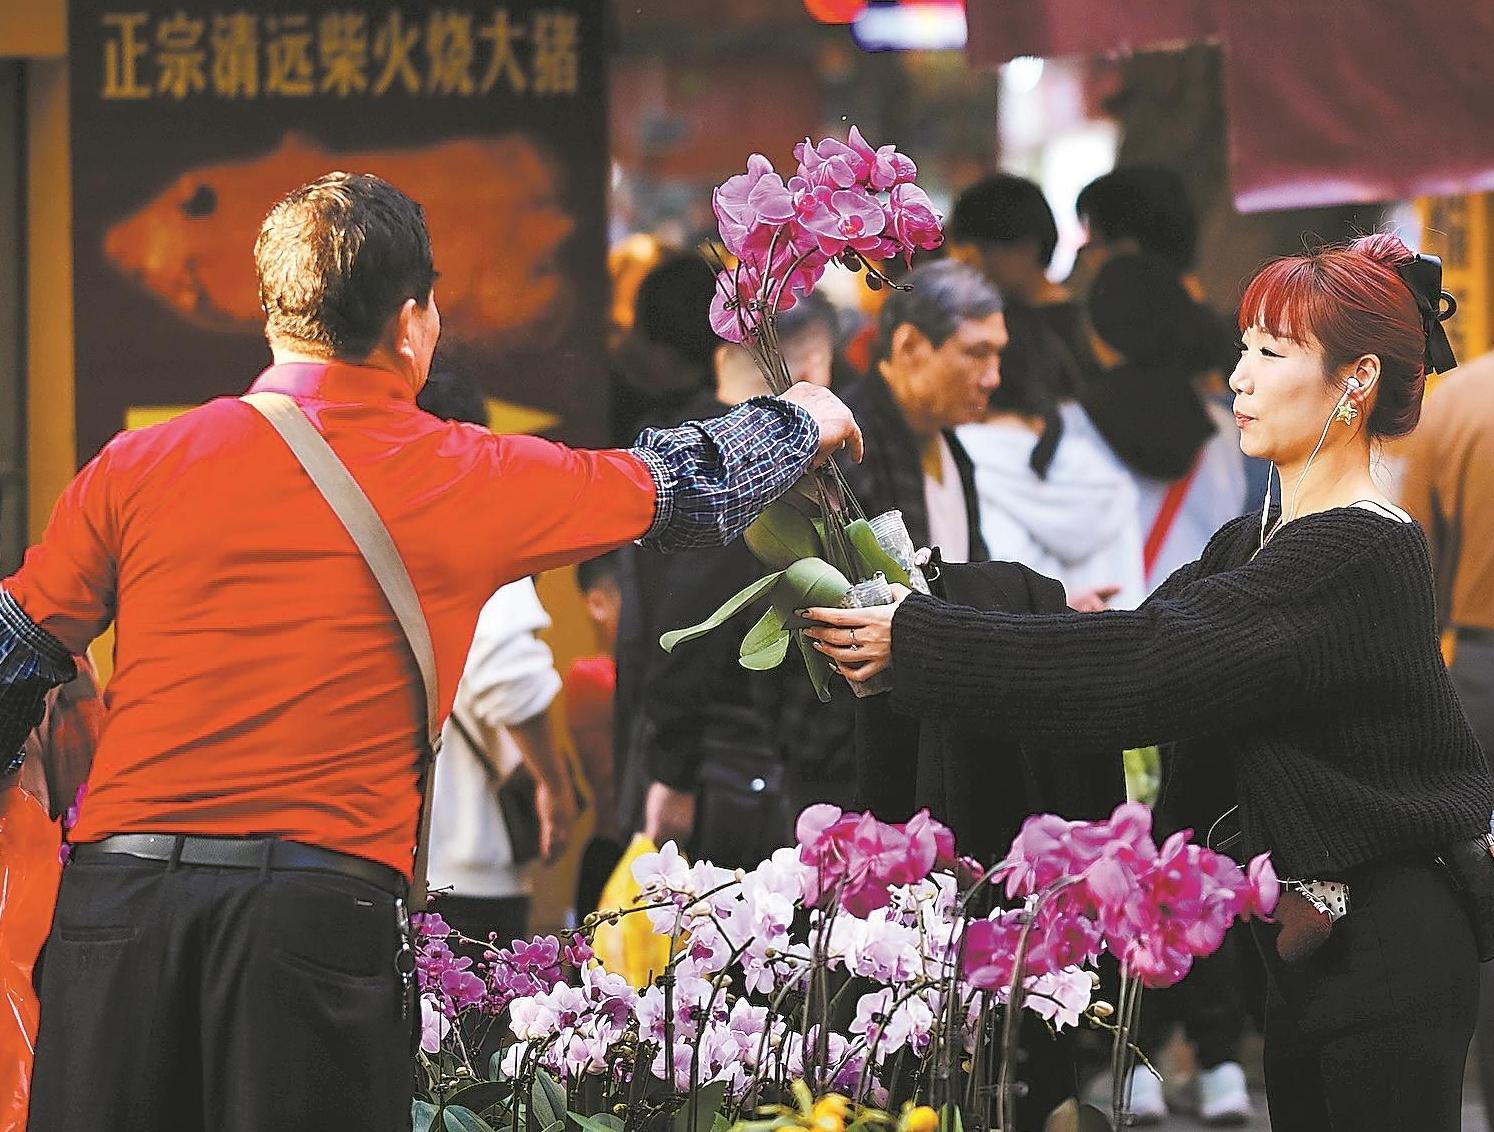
(813,828)
(831,164)
(875,854)
(912,219)
(434,1025)
(1064,938)
(990,951)
(1155,962)
(852,218)
(729,316)
(1263,888)
(886,167)
(932,841)
(743,229)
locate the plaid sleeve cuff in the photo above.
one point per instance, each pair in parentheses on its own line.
(32,662)
(664,492)
(712,478)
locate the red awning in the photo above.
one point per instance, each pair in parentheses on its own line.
(1330,101)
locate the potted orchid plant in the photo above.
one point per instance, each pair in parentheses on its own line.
(854,204)
(863,963)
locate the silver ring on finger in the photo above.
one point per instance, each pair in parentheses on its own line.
(854,643)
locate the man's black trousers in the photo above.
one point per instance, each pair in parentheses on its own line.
(185,998)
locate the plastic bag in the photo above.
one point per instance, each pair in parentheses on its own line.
(29,873)
(59,754)
(630,947)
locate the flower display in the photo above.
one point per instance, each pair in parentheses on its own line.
(887,913)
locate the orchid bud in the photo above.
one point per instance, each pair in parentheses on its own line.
(1101,1009)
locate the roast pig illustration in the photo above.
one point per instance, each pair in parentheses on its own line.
(493,205)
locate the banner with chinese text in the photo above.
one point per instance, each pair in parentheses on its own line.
(189,120)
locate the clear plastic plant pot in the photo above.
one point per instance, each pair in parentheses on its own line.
(872,592)
(892,536)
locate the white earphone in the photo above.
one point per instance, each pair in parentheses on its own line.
(1352,386)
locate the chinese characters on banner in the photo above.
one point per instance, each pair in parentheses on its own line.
(344,53)
(190,120)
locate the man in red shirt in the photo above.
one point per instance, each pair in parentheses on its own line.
(225,945)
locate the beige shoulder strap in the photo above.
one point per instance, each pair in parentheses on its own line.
(368,531)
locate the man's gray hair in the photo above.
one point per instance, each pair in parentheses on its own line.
(940,297)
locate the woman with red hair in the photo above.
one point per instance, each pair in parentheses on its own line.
(1298,658)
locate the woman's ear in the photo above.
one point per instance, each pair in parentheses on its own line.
(1366,373)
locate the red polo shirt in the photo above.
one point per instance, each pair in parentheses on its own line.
(261,683)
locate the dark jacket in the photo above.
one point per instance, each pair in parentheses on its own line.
(968,772)
(696,719)
(891,476)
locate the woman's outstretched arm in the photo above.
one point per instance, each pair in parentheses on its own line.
(1229,650)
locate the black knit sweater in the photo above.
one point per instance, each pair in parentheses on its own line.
(1310,673)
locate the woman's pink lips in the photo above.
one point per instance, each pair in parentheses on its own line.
(1241,420)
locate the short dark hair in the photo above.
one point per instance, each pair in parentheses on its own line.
(336,260)
(813,311)
(1139,308)
(596,571)
(1003,210)
(1147,204)
(935,299)
(673,308)
(453,397)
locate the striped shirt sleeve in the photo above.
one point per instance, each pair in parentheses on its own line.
(32,662)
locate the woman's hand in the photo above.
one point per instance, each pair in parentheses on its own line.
(1094,599)
(858,642)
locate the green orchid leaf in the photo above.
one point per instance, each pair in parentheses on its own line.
(460,1119)
(809,582)
(766,644)
(700,1108)
(873,557)
(606,1122)
(782,535)
(730,609)
(422,1115)
(804,496)
(549,1100)
(481,1095)
(817,667)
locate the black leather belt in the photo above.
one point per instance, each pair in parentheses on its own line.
(1474,633)
(267,853)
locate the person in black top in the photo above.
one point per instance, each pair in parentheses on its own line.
(721,767)
(1299,658)
(1004,228)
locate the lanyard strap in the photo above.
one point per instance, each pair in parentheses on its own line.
(353,509)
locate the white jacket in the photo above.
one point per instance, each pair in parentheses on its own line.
(509,677)
(1078,525)
(1214,497)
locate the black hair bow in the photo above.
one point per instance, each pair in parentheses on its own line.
(1423,275)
